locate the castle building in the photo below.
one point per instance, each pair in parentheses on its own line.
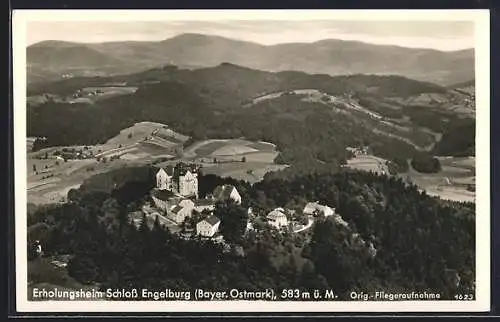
(181,180)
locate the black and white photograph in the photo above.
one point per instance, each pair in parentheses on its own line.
(269,160)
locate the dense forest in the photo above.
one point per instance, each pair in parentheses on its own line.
(458,140)
(425,163)
(421,242)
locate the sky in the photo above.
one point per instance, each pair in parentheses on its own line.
(440,35)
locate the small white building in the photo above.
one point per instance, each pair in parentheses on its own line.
(208,226)
(315,209)
(277,218)
(227,192)
(179,214)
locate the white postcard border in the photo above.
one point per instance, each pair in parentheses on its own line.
(481,18)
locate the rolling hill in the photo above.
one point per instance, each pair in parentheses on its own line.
(329,56)
(311,118)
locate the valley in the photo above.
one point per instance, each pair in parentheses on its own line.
(309,126)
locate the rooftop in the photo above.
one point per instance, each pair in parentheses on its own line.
(180,169)
(162,194)
(212,220)
(176,209)
(276,213)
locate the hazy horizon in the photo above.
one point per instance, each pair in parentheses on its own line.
(438,35)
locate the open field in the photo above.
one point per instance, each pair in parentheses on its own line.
(88,95)
(247,171)
(50,178)
(368,163)
(229,155)
(451,182)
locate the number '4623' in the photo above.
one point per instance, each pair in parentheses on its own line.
(464,297)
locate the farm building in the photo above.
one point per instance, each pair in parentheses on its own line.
(277,218)
(315,209)
(208,226)
(227,192)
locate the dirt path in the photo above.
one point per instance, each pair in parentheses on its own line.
(309,224)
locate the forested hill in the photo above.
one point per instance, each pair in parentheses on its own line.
(212,103)
(422,243)
(329,56)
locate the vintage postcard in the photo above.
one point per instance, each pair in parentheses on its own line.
(252,161)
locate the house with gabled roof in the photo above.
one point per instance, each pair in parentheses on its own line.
(227,192)
(277,218)
(208,227)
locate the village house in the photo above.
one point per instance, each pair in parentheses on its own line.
(208,226)
(277,218)
(358,151)
(315,209)
(227,192)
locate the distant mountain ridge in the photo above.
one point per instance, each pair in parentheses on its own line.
(329,56)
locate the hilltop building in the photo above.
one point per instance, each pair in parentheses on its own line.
(208,227)
(277,218)
(176,193)
(179,213)
(181,179)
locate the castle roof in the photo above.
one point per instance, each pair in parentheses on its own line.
(169,170)
(176,209)
(163,194)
